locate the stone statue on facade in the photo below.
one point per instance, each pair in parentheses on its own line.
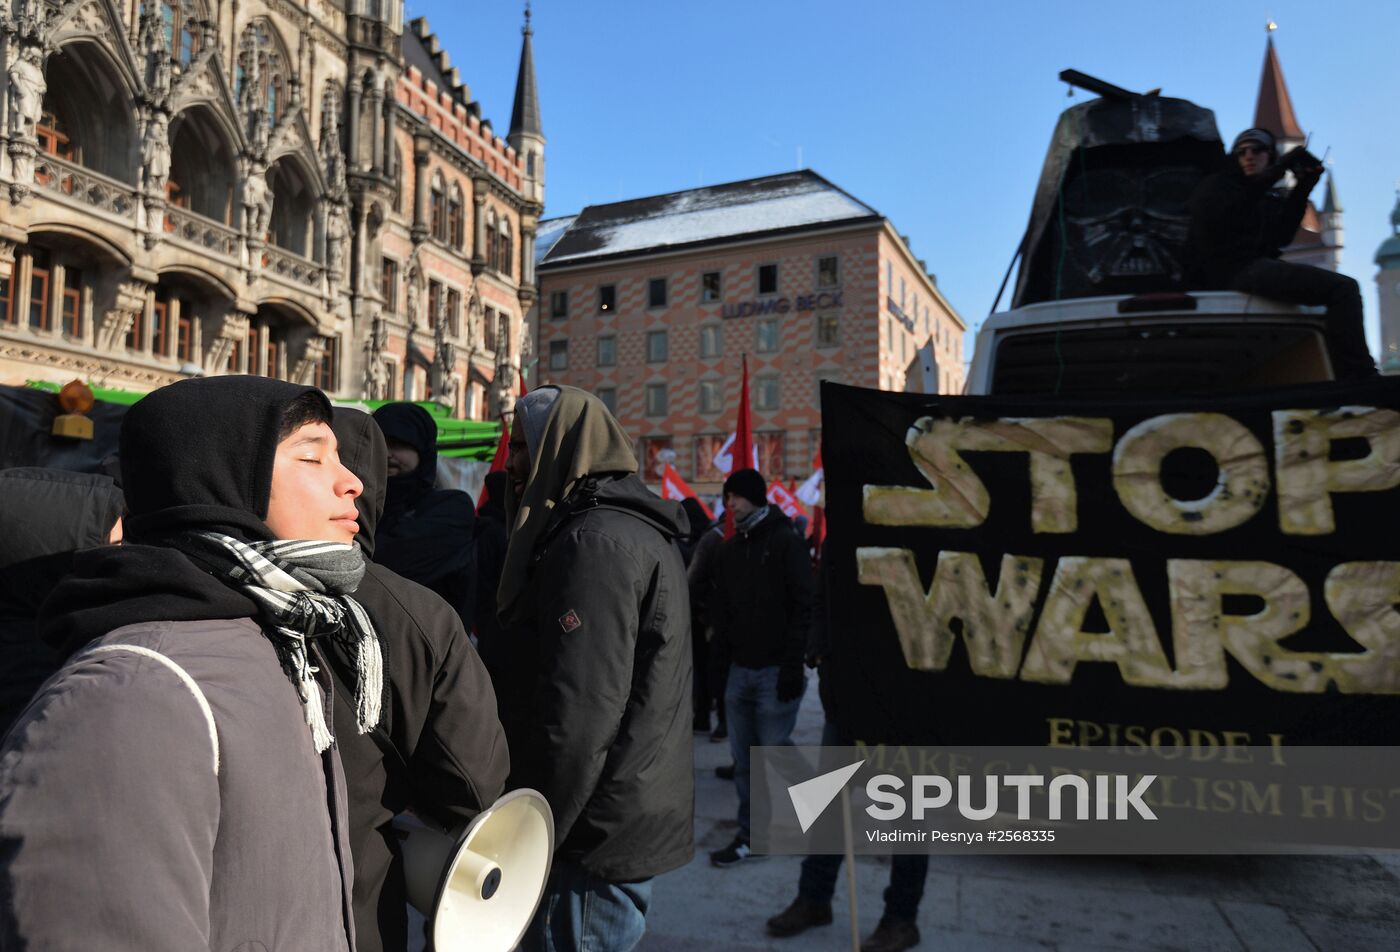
(376,377)
(257,203)
(415,294)
(337,237)
(332,158)
(155,152)
(27,88)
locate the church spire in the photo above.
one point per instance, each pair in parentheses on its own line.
(525,116)
(1274,108)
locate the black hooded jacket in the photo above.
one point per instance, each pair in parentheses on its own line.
(598,685)
(441,716)
(425,534)
(45,515)
(762,600)
(1236,219)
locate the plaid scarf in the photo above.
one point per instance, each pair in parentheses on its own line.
(300,587)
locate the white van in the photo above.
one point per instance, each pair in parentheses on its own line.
(1160,344)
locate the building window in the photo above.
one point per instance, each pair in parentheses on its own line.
(901,291)
(771,456)
(274,355)
(136,334)
(767,335)
(184,334)
(559,305)
(655,451)
(889,277)
(828,330)
(389,284)
(491,240)
(507,263)
(709,286)
(454,310)
(828,272)
(656,399)
(607,297)
(7,298)
(437,211)
(656,292)
(488,329)
(39,289)
(71,316)
(657,347)
(768,279)
(253,345)
(160,329)
(711,396)
(558,355)
(766,394)
(434,303)
(607,351)
(325,372)
(454,219)
(608,397)
(53,137)
(711,340)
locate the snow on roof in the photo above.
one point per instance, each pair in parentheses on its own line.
(548,234)
(787,201)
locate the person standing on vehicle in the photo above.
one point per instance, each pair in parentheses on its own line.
(1240,223)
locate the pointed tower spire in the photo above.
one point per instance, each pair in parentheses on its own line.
(526,136)
(525,116)
(1330,203)
(1274,108)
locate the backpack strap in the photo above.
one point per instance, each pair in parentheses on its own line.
(190,684)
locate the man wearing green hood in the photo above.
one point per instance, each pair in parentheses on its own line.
(595,686)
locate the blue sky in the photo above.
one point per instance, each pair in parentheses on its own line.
(936,113)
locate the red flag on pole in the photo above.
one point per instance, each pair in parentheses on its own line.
(786,499)
(743,448)
(498,462)
(674,487)
(523,389)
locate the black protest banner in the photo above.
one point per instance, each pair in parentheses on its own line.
(1221,571)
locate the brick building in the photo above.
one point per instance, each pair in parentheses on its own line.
(652,303)
(299,190)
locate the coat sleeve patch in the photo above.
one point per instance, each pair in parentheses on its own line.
(569,621)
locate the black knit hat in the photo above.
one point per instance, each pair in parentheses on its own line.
(1262,136)
(748,484)
(198,454)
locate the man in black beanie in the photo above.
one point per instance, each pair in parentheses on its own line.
(762,609)
(176,785)
(426,533)
(1239,225)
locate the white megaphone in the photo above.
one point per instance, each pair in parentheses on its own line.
(479,887)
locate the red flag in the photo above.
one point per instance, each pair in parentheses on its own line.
(674,487)
(743,448)
(818,529)
(786,500)
(498,462)
(523,389)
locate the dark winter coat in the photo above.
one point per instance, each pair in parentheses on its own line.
(45,515)
(441,716)
(425,534)
(1236,219)
(763,594)
(600,648)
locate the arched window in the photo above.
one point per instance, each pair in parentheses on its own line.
(437,209)
(454,217)
(504,265)
(261,51)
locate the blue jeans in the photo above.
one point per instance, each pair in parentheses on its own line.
(582,913)
(907,872)
(756,719)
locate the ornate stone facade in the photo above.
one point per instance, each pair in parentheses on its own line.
(193,188)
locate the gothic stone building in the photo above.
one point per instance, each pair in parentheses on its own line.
(299,191)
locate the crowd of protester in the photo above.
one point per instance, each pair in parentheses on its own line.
(227,671)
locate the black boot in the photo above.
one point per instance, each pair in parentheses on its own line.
(802,915)
(892,935)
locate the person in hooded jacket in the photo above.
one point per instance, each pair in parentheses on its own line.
(596,613)
(45,516)
(439,748)
(425,533)
(175,786)
(762,611)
